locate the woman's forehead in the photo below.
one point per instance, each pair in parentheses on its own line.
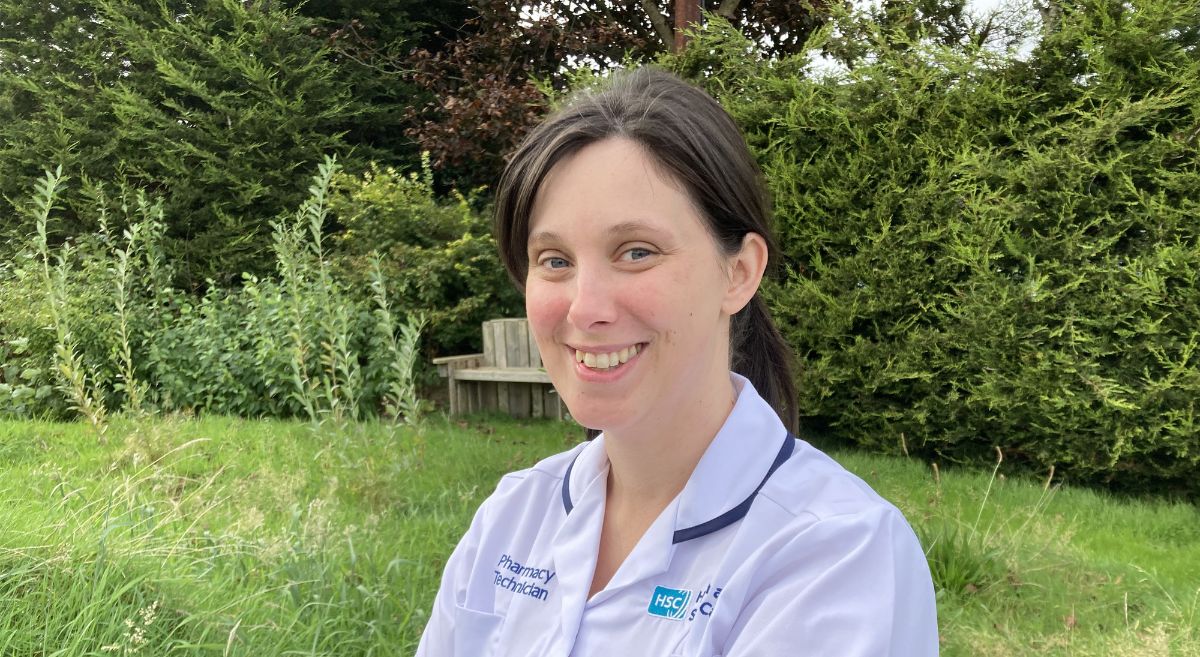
(609,187)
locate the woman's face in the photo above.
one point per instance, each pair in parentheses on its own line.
(627,294)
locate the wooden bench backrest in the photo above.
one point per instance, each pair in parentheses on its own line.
(508,343)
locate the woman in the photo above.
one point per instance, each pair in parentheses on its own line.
(695,523)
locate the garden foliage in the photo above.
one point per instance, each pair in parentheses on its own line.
(96,326)
(981,251)
(439,258)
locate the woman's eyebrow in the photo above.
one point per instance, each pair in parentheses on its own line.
(634,226)
(543,237)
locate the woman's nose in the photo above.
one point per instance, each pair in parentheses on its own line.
(594,298)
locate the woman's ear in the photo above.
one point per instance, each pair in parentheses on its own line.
(746,269)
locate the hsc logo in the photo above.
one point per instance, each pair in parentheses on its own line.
(669,603)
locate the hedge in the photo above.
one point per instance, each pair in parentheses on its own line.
(982,251)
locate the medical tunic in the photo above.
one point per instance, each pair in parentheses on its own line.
(770,549)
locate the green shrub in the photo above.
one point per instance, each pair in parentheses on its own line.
(981,251)
(27,382)
(439,258)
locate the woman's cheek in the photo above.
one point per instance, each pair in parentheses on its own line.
(545,309)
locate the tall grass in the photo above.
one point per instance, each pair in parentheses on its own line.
(227,537)
(967,557)
(231,537)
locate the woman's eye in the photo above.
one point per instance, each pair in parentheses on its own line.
(637,253)
(554,263)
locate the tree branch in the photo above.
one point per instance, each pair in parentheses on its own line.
(660,23)
(728,8)
(1051,12)
(982,35)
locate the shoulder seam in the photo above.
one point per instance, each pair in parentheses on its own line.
(786,509)
(881,506)
(536,469)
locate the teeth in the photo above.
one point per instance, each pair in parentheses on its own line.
(606,360)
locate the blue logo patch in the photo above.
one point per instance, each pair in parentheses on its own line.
(669,603)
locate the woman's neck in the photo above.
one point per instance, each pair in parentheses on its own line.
(648,467)
(649,464)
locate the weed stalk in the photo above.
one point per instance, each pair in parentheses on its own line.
(134,391)
(402,354)
(67,360)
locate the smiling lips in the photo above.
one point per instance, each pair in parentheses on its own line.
(606,360)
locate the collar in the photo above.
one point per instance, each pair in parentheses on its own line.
(747,450)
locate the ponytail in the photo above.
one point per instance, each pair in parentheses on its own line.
(760,354)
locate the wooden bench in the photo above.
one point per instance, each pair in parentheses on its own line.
(507,377)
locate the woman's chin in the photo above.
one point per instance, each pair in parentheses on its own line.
(596,416)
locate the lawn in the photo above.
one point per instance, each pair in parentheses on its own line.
(232,537)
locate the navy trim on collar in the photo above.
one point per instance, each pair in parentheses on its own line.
(566,487)
(738,512)
(720,522)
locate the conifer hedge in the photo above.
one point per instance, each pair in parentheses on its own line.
(985,252)
(220,108)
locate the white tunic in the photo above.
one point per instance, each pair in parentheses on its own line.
(812,563)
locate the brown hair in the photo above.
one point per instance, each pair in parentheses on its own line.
(692,137)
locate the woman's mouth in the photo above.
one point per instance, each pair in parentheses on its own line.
(601,361)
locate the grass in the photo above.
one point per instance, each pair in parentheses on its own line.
(230,537)
(1049,570)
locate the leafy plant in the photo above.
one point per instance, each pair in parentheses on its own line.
(130,385)
(402,353)
(125,340)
